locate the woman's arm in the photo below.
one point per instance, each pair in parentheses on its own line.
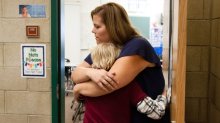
(125,70)
(79,73)
(83,72)
(88,88)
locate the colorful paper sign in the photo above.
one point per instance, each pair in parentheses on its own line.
(33,60)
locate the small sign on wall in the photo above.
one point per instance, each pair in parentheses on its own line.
(33,60)
(32,31)
(32,11)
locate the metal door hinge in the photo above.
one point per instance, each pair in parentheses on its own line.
(58,91)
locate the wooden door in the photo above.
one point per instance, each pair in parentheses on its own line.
(179,61)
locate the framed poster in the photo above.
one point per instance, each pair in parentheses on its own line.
(33,60)
(32,11)
(32,31)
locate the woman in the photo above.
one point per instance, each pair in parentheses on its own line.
(137,59)
(105,108)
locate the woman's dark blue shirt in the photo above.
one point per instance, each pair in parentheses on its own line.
(151,80)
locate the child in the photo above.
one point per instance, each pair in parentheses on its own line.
(116,107)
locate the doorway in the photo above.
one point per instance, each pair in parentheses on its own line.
(58,44)
(149,17)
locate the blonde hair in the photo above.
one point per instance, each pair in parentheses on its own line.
(104,55)
(116,21)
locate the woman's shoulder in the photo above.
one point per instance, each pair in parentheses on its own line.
(138,46)
(137,41)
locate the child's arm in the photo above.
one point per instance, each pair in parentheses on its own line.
(154,109)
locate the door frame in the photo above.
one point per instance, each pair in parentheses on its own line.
(178,61)
(57,61)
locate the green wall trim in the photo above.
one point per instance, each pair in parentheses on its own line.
(57,61)
(54,59)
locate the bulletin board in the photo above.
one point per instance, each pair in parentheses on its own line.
(142,24)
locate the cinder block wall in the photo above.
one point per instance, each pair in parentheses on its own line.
(197,60)
(214,81)
(22,100)
(203,57)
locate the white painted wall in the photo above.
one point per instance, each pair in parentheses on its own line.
(87,37)
(79,37)
(78,29)
(72,32)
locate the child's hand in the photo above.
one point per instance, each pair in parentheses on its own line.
(164,93)
(76,93)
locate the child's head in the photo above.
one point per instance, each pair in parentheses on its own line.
(104,55)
